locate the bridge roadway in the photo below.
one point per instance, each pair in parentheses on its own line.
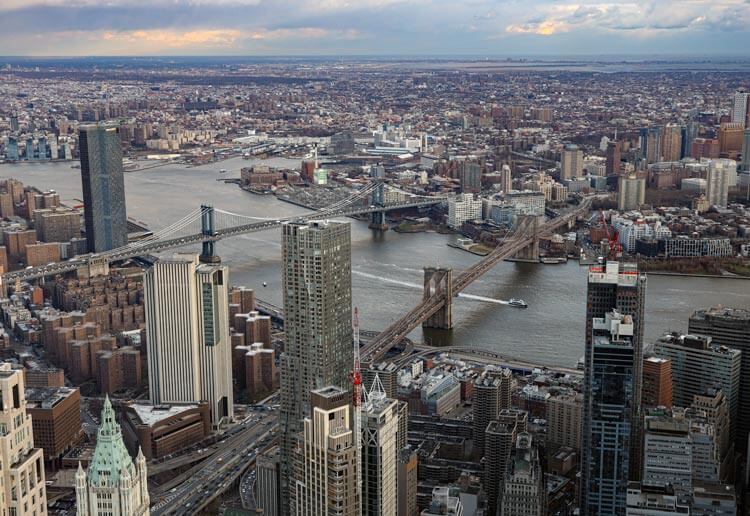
(198,238)
(396,332)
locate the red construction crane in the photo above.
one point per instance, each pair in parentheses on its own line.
(615,249)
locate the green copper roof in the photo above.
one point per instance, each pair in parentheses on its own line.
(110,456)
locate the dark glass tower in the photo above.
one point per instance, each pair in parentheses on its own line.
(612,387)
(103,188)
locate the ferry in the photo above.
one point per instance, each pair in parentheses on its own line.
(518,303)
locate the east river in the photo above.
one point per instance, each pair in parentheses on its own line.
(387,267)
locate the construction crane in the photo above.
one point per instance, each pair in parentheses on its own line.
(615,248)
(355,376)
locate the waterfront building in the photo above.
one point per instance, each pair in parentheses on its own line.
(22,472)
(463,207)
(112,485)
(699,365)
(103,188)
(730,327)
(611,400)
(571,163)
(189,362)
(317,285)
(324,459)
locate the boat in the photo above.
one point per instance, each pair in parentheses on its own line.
(265,284)
(223,171)
(518,303)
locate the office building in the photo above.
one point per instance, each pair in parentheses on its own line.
(730,327)
(657,382)
(740,106)
(446,501)
(645,500)
(500,437)
(671,143)
(112,485)
(612,164)
(571,163)
(611,400)
(191,361)
(506,179)
(667,452)
(324,459)
(22,473)
(631,193)
(56,420)
(619,287)
(462,208)
(379,453)
(714,500)
(470,176)
(407,482)
(317,285)
(161,430)
(704,148)
(730,138)
(699,365)
(712,408)
(650,144)
(268,482)
(564,421)
(524,489)
(103,188)
(492,392)
(745,163)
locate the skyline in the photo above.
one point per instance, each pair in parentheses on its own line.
(371,27)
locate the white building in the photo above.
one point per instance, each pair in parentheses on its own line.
(524,489)
(187,324)
(631,193)
(739,106)
(526,202)
(722,174)
(22,484)
(112,485)
(463,207)
(446,501)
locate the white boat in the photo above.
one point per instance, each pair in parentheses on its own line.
(518,303)
(223,171)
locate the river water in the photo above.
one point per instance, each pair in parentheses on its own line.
(387,267)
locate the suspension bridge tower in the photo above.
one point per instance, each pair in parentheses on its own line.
(208,230)
(439,282)
(378,220)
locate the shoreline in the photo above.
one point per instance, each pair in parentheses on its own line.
(696,275)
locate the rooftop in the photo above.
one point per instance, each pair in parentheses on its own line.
(152,414)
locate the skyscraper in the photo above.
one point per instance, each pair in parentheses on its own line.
(103,188)
(631,192)
(671,142)
(379,453)
(613,159)
(650,143)
(22,471)
(189,355)
(745,164)
(524,489)
(740,107)
(571,162)
(500,436)
(316,274)
(612,383)
(730,327)
(324,472)
(112,485)
(492,392)
(506,179)
(611,410)
(718,181)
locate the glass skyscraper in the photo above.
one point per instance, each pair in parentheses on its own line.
(612,387)
(103,188)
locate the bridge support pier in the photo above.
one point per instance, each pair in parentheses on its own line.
(529,253)
(208,229)
(439,282)
(377,220)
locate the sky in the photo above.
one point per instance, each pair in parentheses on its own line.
(373,27)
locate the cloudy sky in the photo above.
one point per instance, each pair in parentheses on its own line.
(407,27)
